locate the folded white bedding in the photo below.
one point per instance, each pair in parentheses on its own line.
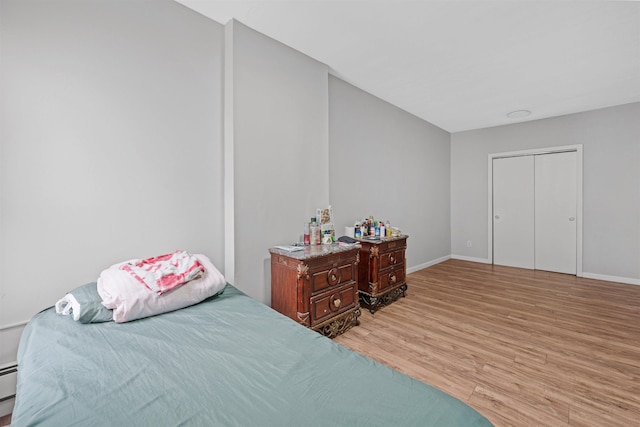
(122,293)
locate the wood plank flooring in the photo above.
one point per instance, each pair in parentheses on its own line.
(523,347)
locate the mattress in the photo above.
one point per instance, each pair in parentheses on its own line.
(228,361)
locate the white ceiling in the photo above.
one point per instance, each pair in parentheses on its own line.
(462,64)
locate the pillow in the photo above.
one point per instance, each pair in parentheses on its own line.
(84,305)
(131,300)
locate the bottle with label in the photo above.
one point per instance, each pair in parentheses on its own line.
(358,232)
(318,234)
(389,229)
(383,230)
(313,232)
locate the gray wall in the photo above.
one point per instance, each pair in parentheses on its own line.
(111,147)
(280,151)
(611,183)
(111,143)
(390,164)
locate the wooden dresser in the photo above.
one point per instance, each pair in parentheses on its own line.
(317,287)
(382,271)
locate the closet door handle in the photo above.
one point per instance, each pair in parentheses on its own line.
(572,218)
(497,217)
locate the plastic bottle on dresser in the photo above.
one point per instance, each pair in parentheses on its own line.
(313,232)
(383,230)
(306,238)
(318,235)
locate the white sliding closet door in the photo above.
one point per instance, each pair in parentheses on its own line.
(513,211)
(555,212)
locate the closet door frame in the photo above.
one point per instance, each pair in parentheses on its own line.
(550,150)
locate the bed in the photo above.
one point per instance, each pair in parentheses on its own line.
(228,361)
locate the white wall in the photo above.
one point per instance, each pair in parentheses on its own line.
(390,164)
(280,151)
(611,192)
(111,143)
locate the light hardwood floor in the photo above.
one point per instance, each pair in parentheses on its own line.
(523,347)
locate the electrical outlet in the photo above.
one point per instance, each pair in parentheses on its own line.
(469,243)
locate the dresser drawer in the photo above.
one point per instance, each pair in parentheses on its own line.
(391,277)
(334,274)
(328,304)
(392,245)
(392,258)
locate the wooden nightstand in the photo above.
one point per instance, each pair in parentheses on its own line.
(317,287)
(382,271)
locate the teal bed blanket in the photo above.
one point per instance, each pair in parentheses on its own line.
(228,361)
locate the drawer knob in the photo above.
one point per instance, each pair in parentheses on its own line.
(333,276)
(392,279)
(392,259)
(337,302)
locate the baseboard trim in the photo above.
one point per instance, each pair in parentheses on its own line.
(607,278)
(427,264)
(13,325)
(472,259)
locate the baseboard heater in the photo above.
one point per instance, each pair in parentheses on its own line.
(8,381)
